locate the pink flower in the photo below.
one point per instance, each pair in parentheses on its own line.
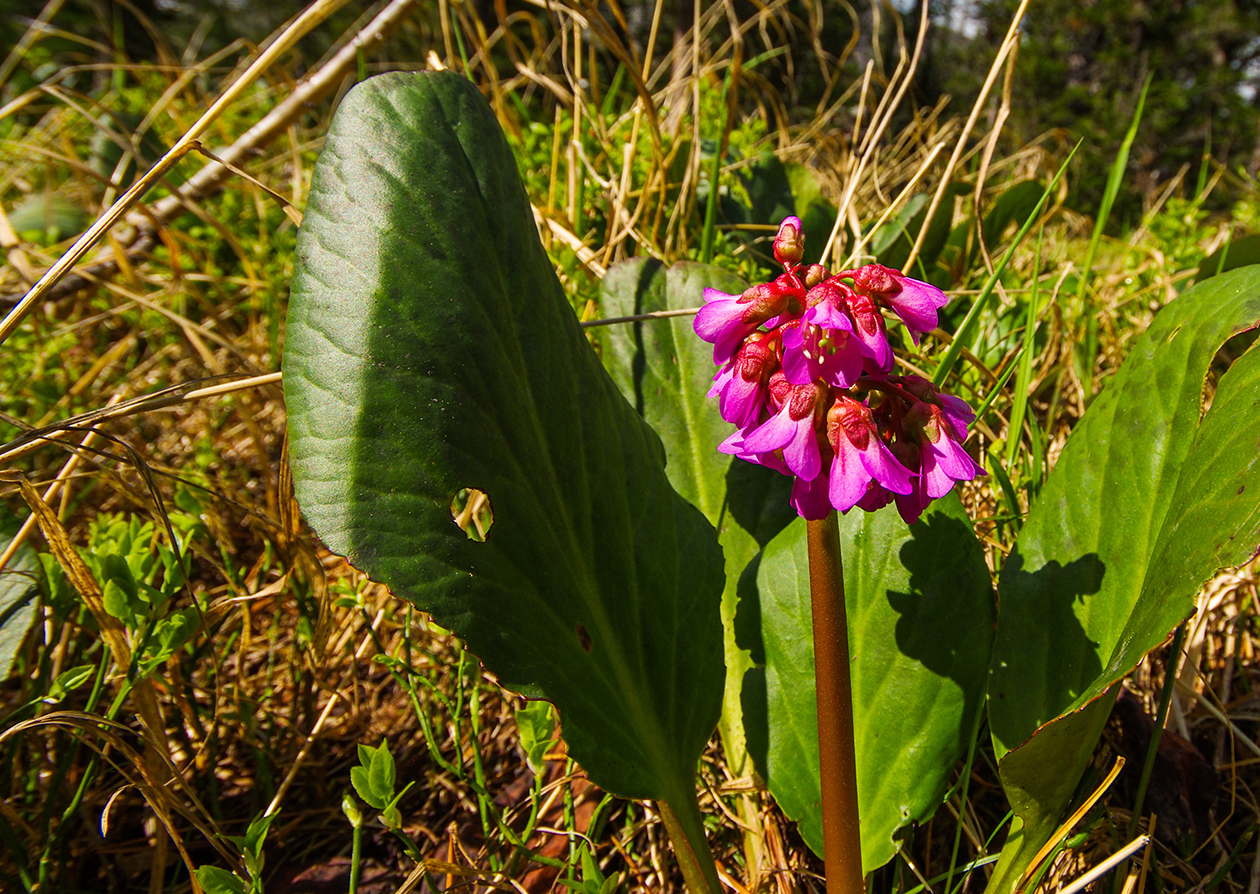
(943,459)
(868,329)
(726,320)
(792,429)
(958,412)
(742,387)
(909,506)
(724,323)
(820,347)
(805,368)
(812,498)
(915,302)
(860,456)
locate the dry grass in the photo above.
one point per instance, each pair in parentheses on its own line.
(296,658)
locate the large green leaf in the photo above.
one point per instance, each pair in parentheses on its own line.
(1144,505)
(920,610)
(431,349)
(17,593)
(665,370)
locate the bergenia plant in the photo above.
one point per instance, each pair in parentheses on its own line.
(654,587)
(807,374)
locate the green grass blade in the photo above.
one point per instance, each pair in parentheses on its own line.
(964,328)
(1019,405)
(995,391)
(1114,178)
(715,173)
(1008,489)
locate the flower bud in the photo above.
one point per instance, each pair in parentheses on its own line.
(814,274)
(876,279)
(758,356)
(789,245)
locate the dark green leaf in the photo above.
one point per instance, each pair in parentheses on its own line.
(665,370)
(920,610)
(430,348)
(1215,519)
(1136,515)
(17,593)
(1233,254)
(214,880)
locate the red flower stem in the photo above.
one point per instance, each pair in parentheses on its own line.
(842,843)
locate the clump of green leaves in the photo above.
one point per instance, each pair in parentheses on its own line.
(215,880)
(373,779)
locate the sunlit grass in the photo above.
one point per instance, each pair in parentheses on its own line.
(295,659)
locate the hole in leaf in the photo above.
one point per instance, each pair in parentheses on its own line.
(472,512)
(584,638)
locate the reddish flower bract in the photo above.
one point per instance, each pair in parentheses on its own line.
(806,373)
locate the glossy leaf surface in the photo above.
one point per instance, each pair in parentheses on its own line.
(920,611)
(1144,505)
(430,349)
(665,370)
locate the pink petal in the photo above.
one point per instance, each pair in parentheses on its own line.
(956,461)
(875,498)
(843,368)
(810,497)
(777,432)
(734,444)
(958,414)
(875,345)
(911,505)
(714,295)
(802,454)
(827,315)
(879,462)
(721,380)
(936,482)
(720,322)
(797,368)
(916,304)
(742,400)
(849,478)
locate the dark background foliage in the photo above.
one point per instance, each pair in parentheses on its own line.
(1081,67)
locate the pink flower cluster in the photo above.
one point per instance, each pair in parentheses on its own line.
(806,372)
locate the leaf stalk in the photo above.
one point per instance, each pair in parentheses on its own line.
(686,835)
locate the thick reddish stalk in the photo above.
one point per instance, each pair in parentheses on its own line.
(842,842)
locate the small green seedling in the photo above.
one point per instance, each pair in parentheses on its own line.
(593,880)
(373,779)
(214,880)
(536,723)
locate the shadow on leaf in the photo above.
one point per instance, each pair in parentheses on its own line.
(932,605)
(1053,642)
